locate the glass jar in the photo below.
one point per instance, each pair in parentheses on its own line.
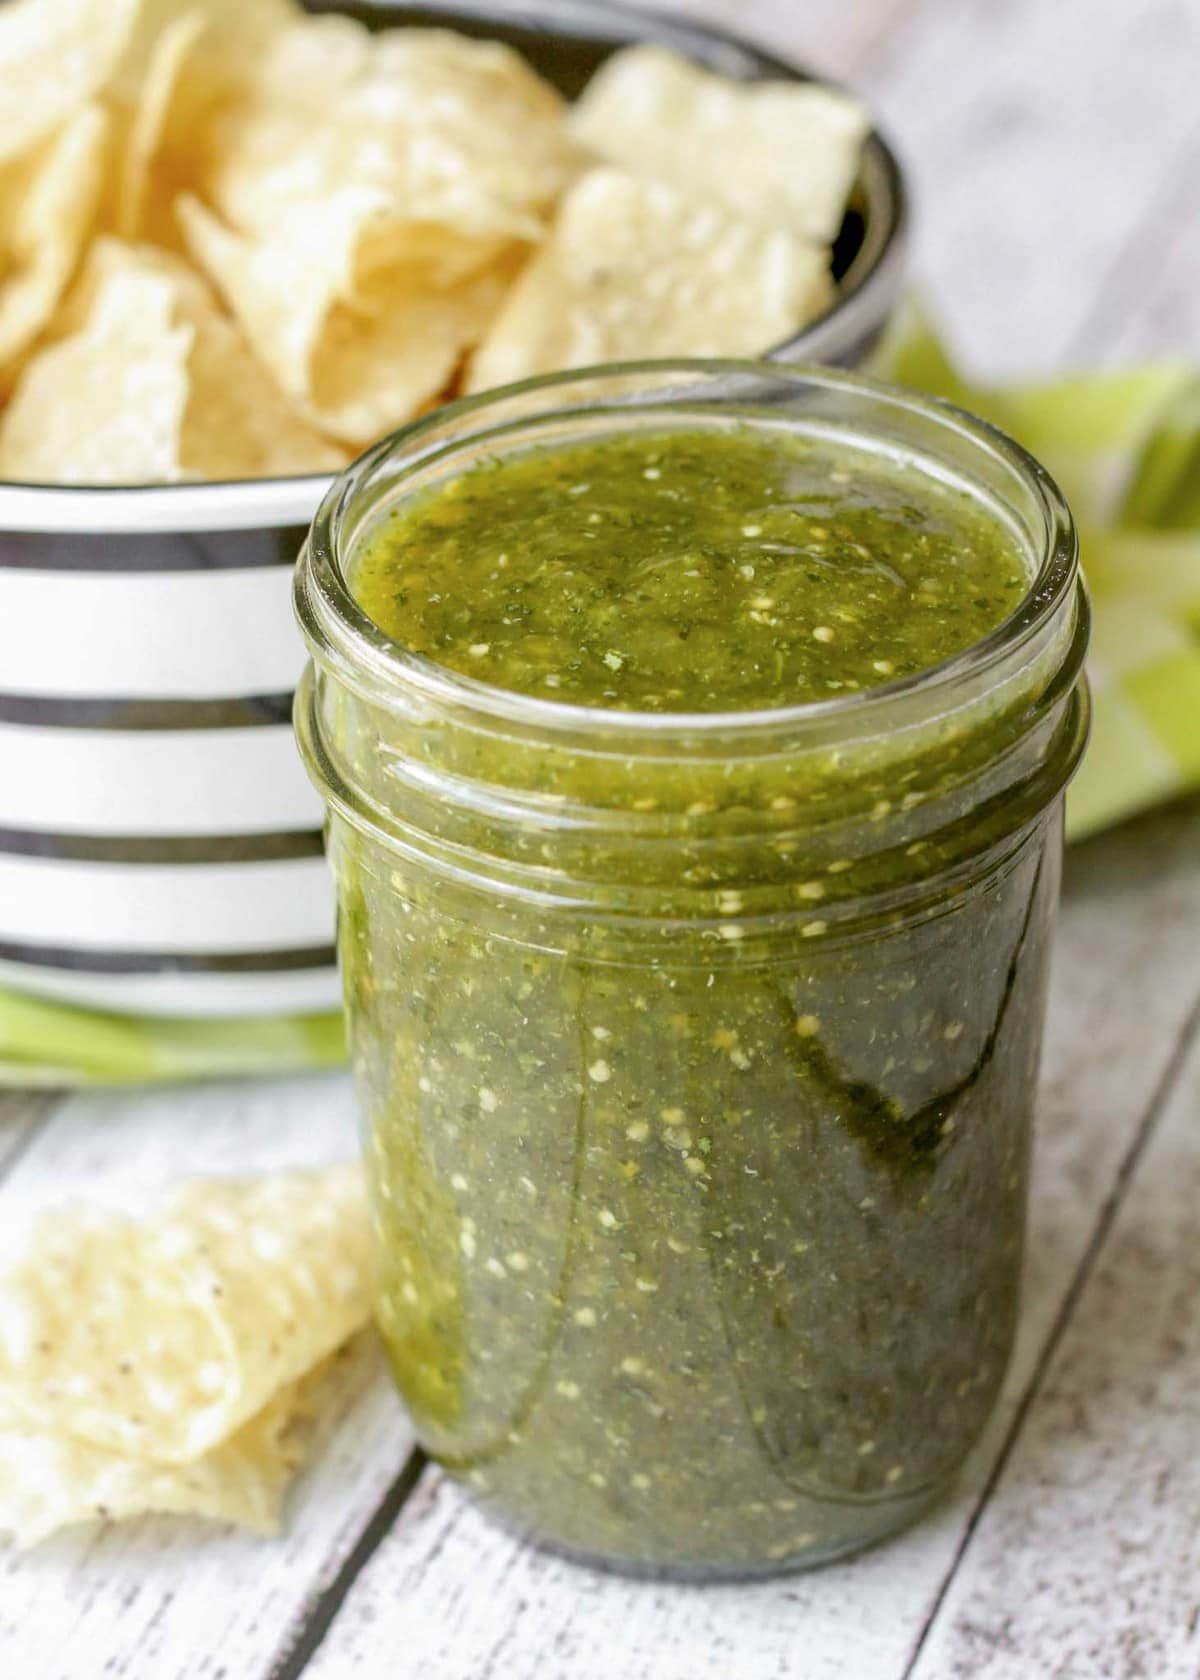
(697,1054)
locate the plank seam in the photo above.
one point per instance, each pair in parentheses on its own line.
(302,1643)
(1163,1090)
(40,1110)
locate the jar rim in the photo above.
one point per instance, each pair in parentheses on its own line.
(373,662)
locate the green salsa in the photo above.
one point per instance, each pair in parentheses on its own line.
(697,1082)
(689,571)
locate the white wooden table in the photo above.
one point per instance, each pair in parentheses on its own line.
(1056,151)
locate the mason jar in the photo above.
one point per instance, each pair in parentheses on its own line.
(697,1054)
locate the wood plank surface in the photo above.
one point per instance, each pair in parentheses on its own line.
(1038,137)
(1148,307)
(1087,1559)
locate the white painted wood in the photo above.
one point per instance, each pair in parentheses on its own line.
(125,1148)
(164,1599)
(1087,1560)
(832,36)
(1149,306)
(469,1604)
(1037,136)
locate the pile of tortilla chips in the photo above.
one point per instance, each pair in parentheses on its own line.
(237,240)
(174,1365)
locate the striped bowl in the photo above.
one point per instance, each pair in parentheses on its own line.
(160,847)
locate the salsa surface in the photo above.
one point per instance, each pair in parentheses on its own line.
(689,570)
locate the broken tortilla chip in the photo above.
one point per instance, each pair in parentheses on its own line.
(55,56)
(441,129)
(151,383)
(235,32)
(781,153)
(48,202)
(634,269)
(159,1340)
(106,405)
(354,322)
(50,1481)
(186,63)
(148,123)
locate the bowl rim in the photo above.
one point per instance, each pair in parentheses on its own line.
(281,501)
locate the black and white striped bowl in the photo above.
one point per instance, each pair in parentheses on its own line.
(160,846)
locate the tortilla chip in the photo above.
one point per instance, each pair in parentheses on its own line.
(151,382)
(781,153)
(162,1339)
(237,423)
(633,269)
(351,313)
(48,201)
(105,406)
(477,107)
(55,56)
(49,1481)
(439,129)
(310,56)
(148,123)
(107,257)
(188,62)
(235,32)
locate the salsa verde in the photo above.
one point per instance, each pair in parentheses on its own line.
(697,1087)
(689,571)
